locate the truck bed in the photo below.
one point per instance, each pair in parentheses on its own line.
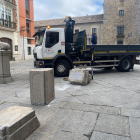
(114,50)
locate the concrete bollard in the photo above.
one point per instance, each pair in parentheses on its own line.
(78,76)
(5,75)
(17,123)
(42,86)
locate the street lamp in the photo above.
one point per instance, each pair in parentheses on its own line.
(23,30)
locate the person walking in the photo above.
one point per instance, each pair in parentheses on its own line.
(94,39)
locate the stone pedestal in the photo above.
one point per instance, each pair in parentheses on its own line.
(17,123)
(5,76)
(42,86)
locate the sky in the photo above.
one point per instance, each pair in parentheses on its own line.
(53,9)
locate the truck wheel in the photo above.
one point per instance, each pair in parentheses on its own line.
(126,64)
(61,68)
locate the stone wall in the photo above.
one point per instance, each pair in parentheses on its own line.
(112,20)
(137,7)
(26,45)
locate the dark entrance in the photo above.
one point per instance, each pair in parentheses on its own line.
(9,41)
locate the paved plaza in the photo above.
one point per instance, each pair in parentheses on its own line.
(108,108)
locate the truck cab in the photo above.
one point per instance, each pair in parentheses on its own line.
(58,47)
(49,42)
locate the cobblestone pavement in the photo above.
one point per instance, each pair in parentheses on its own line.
(106,109)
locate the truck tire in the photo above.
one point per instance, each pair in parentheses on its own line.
(126,64)
(61,68)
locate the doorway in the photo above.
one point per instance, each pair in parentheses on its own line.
(9,41)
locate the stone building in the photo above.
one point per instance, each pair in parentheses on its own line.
(120,19)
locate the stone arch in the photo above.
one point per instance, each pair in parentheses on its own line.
(9,41)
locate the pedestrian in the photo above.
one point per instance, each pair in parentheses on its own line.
(94,39)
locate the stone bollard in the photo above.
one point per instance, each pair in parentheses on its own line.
(78,76)
(42,86)
(5,75)
(17,123)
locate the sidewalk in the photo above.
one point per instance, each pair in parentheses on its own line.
(106,109)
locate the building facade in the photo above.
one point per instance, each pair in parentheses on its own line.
(9,27)
(119,24)
(26,18)
(15,14)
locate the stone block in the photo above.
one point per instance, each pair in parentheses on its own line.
(42,86)
(78,76)
(17,123)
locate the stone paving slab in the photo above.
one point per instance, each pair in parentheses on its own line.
(133,105)
(67,99)
(110,98)
(105,136)
(61,135)
(92,108)
(79,122)
(130,112)
(117,125)
(134,128)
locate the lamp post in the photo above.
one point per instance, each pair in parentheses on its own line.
(23,30)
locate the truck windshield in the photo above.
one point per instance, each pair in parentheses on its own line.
(39,38)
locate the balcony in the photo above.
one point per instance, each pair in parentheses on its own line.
(27,14)
(120,36)
(5,23)
(11,1)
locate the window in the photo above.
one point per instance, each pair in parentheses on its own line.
(39,38)
(28,41)
(28,26)
(16,47)
(120,42)
(52,38)
(29,50)
(27,4)
(120,30)
(121,13)
(77,31)
(1,12)
(94,30)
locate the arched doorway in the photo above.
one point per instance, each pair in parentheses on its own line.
(9,41)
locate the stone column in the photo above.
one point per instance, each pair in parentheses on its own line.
(5,76)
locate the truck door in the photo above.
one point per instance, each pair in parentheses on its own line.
(52,44)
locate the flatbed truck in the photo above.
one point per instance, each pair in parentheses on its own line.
(60,49)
